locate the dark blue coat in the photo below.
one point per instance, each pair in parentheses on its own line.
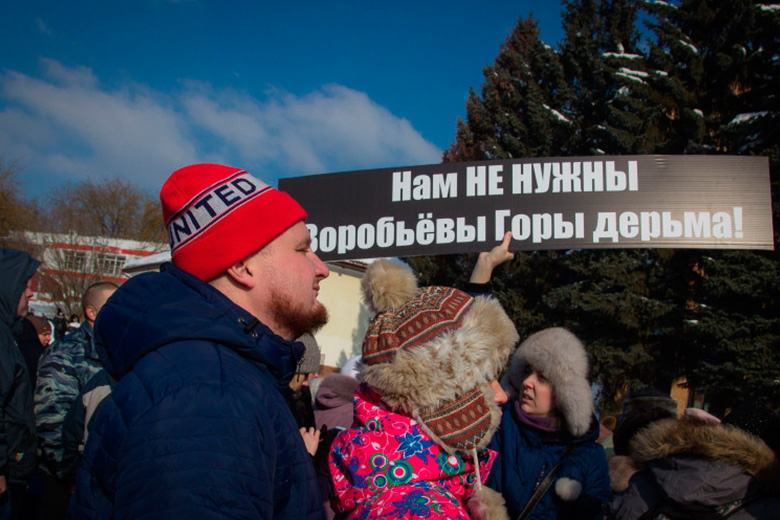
(526,455)
(196,426)
(18,441)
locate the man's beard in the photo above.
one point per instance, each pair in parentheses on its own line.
(295,319)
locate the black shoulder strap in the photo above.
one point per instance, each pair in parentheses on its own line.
(541,489)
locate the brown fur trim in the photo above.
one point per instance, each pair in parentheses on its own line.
(449,365)
(669,437)
(387,285)
(487,504)
(621,469)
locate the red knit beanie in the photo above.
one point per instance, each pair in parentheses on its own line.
(218,215)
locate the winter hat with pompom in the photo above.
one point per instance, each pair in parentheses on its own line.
(431,352)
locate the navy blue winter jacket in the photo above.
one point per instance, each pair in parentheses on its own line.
(196,426)
(526,455)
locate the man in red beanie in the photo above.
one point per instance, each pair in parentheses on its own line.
(197,425)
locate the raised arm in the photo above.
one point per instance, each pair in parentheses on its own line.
(489,260)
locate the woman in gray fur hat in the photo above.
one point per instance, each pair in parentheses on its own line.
(548,419)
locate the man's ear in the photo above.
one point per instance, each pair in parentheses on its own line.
(91,313)
(242,274)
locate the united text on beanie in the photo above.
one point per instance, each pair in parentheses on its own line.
(217,215)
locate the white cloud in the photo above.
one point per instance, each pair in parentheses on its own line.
(332,129)
(75,76)
(65,125)
(89,132)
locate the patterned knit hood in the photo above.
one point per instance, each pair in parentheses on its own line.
(431,352)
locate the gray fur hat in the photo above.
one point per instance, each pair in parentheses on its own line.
(431,352)
(560,356)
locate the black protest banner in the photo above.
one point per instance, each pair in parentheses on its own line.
(647,201)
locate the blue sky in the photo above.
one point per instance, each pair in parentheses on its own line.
(139,88)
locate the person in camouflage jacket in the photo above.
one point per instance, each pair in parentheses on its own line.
(63,370)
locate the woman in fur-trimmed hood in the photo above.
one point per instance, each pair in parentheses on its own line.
(704,468)
(550,418)
(427,405)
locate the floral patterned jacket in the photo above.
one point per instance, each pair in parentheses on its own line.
(385,466)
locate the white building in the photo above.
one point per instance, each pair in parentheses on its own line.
(71,262)
(342,337)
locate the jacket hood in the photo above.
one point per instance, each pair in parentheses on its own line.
(561,358)
(671,437)
(336,390)
(16,267)
(152,310)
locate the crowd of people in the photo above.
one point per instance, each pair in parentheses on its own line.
(196,392)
